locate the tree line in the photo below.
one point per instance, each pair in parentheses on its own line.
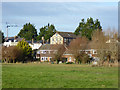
(105,43)
(29,31)
(88,33)
(20,53)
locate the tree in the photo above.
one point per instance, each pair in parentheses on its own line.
(46,32)
(99,43)
(28,32)
(106,45)
(1,37)
(58,53)
(26,49)
(11,54)
(112,43)
(77,48)
(16,54)
(86,28)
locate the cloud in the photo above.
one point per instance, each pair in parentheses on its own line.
(65,15)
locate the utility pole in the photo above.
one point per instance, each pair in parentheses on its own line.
(8,27)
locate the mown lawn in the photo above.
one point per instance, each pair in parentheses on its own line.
(58,76)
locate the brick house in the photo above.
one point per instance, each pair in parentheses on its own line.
(47,51)
(90,50)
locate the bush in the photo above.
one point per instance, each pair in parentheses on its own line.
(69,63)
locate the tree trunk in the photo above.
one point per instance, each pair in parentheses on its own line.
(13,60)
(57,61)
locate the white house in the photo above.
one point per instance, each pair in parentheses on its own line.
(35,45)
(12,41)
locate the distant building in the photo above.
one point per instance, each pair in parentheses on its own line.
(35,46)
(62,38)
(70,57)
(46,52)
(12,41)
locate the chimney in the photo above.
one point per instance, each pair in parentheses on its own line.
(43,39)
(32,40)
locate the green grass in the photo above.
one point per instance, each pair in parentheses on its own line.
(58,76)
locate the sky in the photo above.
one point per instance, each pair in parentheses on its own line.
(64,15)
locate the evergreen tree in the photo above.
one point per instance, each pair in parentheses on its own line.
(46,32)
(28,32)
(26,49)
(1,37)
(87,28)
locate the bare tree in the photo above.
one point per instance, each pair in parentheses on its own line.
(106,44)
(77,48)
(99,43)
(10,54)
(59,50)
(112,45)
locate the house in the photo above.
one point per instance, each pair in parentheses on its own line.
(90,50)
(47,51)
(34,44)
(112,40)
(12,41)
(70,57)
(62,38)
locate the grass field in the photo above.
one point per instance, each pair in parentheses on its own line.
(58,76)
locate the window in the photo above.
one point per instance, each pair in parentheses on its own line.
(64,39)
(38,52)
(50,58)
(60,39)
(41,51)
(53,39)
(70,59)
(56,34)
(46,58)
(94,52)
(44,52)
(42,58)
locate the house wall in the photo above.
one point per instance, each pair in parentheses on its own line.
(45,55)
(7,44)
(67,40)
(35,45)
(43,59)
(56,39)
(69,57)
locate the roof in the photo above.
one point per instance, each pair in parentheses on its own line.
(68,52)
(19,39)
(67,34)
(50,46)
(13,38)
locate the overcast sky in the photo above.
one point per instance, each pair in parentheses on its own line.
(64,15)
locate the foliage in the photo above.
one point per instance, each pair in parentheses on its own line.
(1,37)
(46,32)
(28,32)
(27,50)
(87,28)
